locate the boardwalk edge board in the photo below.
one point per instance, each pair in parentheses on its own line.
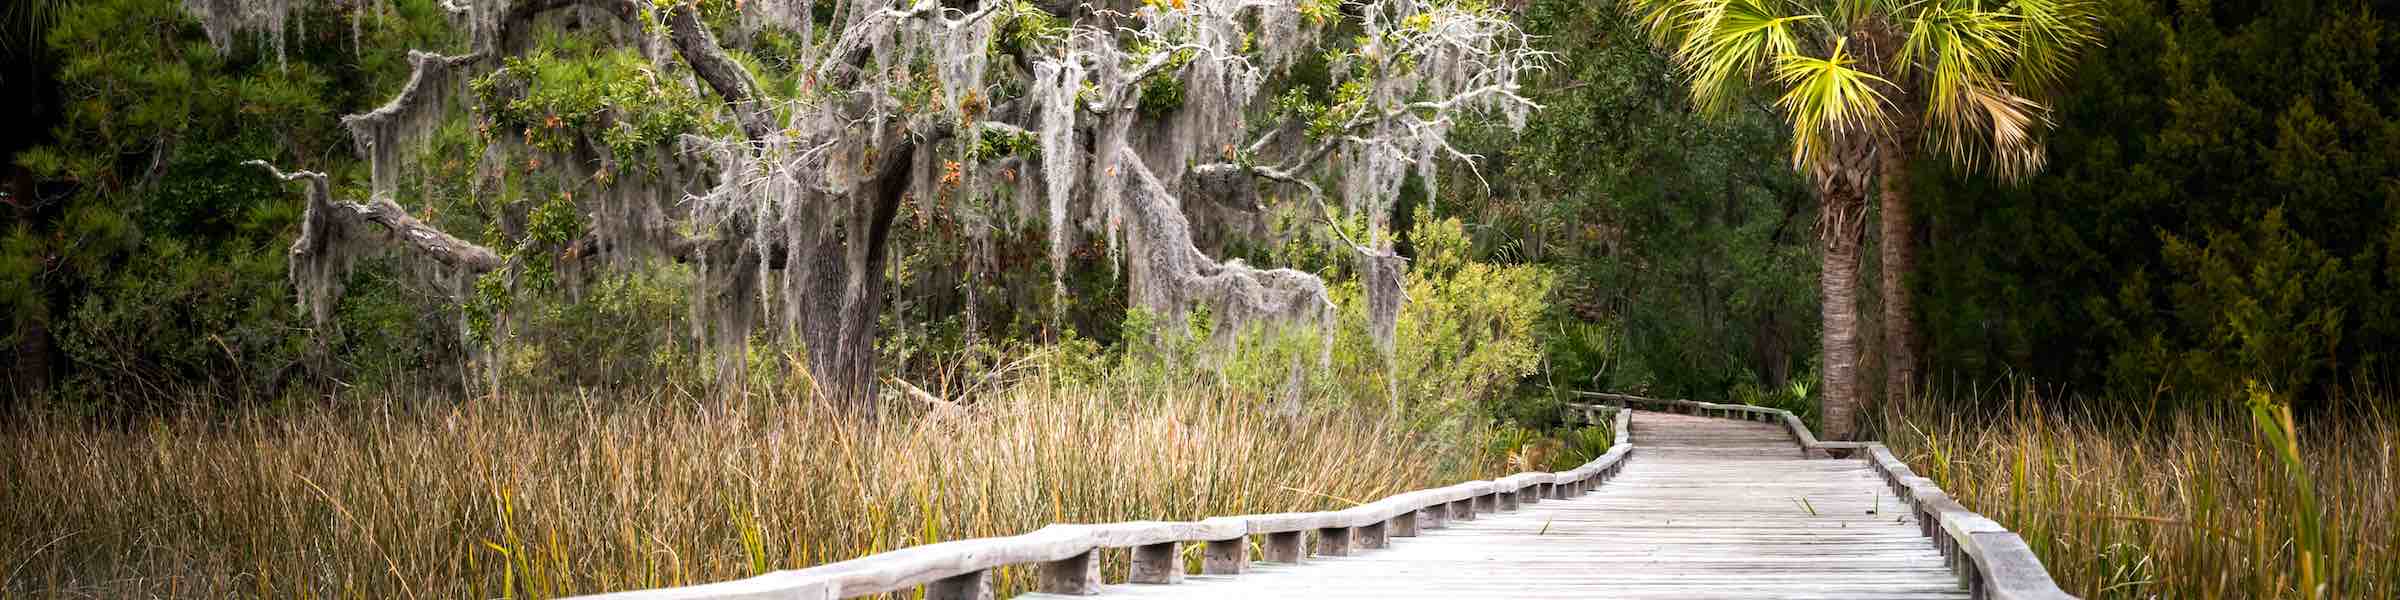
(1068,553)
(1991,561)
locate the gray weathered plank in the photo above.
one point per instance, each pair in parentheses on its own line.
(1704,508)
(1723,504)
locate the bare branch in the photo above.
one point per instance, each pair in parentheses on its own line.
(328,220)
(728,78)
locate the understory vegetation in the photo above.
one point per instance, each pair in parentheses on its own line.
(2227,504)
(543,496)
(533,490)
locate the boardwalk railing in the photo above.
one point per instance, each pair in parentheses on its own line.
(1068,555)
(1991,561)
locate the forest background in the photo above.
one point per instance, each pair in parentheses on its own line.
(2220,214)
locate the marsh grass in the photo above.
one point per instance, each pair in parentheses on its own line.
(501,498)
(2243,504)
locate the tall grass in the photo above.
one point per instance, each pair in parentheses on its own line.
(499,498)
(2242,504)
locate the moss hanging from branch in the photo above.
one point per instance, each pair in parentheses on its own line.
(225,20)
(1111,119)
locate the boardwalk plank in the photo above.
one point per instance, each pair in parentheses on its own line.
(1706,508)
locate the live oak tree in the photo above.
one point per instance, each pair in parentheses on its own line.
(1864,84)
(770,145)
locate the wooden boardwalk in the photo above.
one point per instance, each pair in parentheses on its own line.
(1708,508)
(1720,501)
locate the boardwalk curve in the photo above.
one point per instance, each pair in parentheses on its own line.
(1707,508)
(1697,500)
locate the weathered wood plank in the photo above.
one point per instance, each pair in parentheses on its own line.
(1725,509)
(1990,562)
(1723,505)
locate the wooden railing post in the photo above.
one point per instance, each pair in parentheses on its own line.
(1226,557)
(1925,523)
(1977,586)
(1157,563)
(1433,517)
(968,586)
(1076,576)
(1374,536)
(1404,524)
(1285,547)
(1333,541)
(1960,563)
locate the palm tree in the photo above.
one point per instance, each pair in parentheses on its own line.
(1864,85)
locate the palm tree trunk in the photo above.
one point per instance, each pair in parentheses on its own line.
(1842,198)
(1899,247)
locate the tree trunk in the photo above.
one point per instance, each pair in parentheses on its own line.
(29,374)
(1899,246)
(842,352)
(1838,283)
(1842,195)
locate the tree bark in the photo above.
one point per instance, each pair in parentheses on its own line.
(848,372)
(1899,246)
(1840,179)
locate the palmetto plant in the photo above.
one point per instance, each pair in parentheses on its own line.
(1864,84)
(22,25)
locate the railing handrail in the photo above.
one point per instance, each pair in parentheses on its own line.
(1992,561)
(1067,551)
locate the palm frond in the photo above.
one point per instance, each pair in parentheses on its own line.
(1828,97)
(1853,13)
(1733,41)
(1667,21)
(1996,134)
(1977,63)
(22,25)
(1958,48)
(2048,34)
(1975,68)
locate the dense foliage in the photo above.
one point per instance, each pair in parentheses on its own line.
(2220,206)
(1682,242)
(157,268)
(2223,204)
(147,266)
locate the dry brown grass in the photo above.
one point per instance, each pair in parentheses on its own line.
(2190,507)
(493,499)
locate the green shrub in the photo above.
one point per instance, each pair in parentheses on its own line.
(1467,331)
(2263,303)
